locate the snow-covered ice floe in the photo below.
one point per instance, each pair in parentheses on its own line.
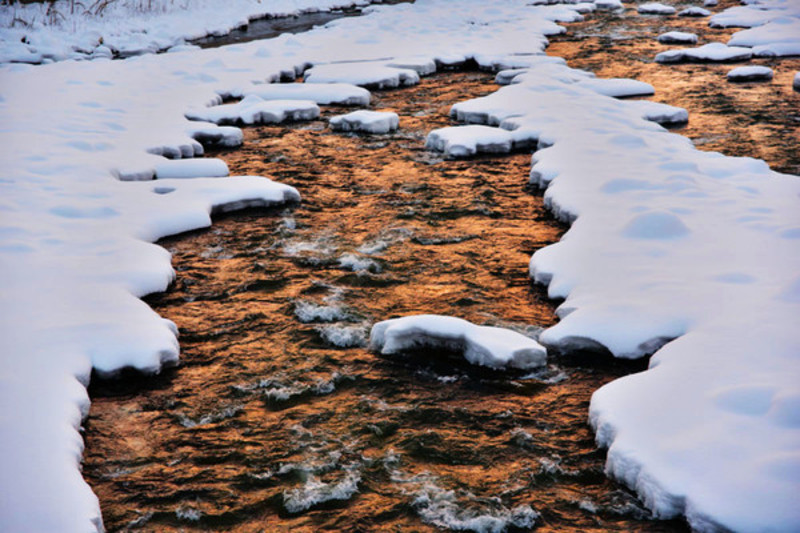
(677,37)
(666,243)
(655,8)
(481,345)
(366,121)
(711,52)
(467,141)
(750,73)
(694,11)
(253,109)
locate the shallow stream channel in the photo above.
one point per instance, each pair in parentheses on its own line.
(279,418)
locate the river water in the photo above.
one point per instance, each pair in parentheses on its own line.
(280,419)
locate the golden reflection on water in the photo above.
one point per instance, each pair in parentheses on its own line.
(216,443)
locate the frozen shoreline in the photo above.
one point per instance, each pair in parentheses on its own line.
(79,240)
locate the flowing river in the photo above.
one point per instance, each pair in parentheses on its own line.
(280,419)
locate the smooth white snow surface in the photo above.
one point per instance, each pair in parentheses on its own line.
(481,345)
(754,73)
(666,242)
(670,242)
(366,121)
(677,37)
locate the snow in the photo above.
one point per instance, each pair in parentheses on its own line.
(666,242)
(191,168)
(70,30)
(366,121)
(756,73)
(619,87)
(373,75)
(481,345)
(467,141)
(708,52)
(322,94)
(694,11)
(796,82)
(664,114)
(677,37)
(253,109)
(654,8)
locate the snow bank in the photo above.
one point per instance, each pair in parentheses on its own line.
(667,242)
(677,37)
(757,73)
(366,121)
(481,345)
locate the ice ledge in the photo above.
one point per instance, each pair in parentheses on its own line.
(481,345)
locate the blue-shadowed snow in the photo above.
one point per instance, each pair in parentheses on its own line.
(481,345)
(750,73)
(366,121)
